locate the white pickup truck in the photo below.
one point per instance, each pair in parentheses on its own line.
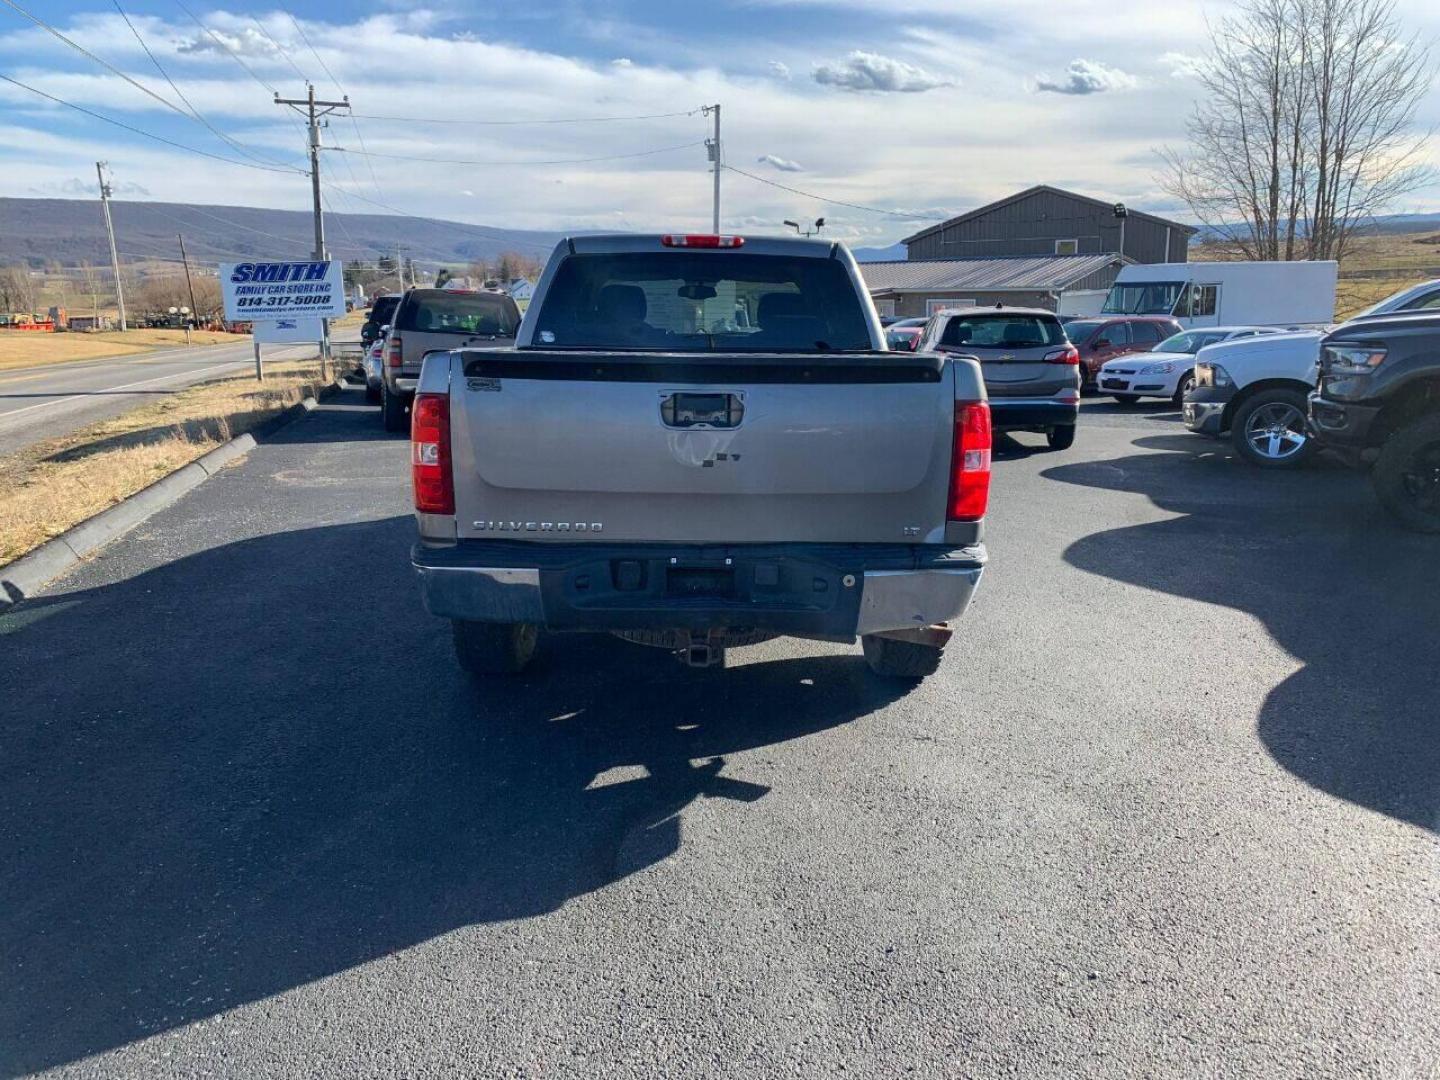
(698,442)
(1256,389)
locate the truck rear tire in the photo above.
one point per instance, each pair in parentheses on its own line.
(1061,438)
(392,410)
(900,659)
(1407,475)
(1269,430)
(483,648)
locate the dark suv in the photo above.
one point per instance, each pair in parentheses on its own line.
(1031,370)
(382,310)
(1104,338)
(1378,405)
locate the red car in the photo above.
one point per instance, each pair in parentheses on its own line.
(1104,337)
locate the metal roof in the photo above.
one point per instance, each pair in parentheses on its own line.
(983,275)
(980,211)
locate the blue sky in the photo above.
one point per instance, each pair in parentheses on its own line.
(922,107)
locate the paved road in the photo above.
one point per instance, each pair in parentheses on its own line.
(55,399)
(1170,808)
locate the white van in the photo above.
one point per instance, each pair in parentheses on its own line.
(1282,294)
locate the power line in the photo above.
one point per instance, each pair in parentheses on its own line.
(194,112)
(221,42)
(522,123)
(323,66)
(112,68)
(279,48)
(555,161)
(141,131)
(449,224)
(828,199)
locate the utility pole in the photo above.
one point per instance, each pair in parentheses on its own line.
(110,231)
(713,146)
(307,107)
(190,285)
(400,267)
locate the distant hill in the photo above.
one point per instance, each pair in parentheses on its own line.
(70,231)
(1381,226)
(885,254)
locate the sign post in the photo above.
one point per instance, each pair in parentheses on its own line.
(284,300)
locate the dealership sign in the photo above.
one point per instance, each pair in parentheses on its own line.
(268,291)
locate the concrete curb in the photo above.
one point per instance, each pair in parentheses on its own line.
(25,576)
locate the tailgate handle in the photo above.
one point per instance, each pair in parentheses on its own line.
(702,410)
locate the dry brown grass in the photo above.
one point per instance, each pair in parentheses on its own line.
(28,348)
(47,488)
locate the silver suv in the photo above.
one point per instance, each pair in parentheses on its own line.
(431,320)
(1032,371)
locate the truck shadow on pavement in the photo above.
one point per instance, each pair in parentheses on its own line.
(252,767)
(1311,555)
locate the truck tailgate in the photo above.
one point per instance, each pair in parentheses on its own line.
(724,448)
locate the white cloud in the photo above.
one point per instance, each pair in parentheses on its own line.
(247,41)
(778,69)
(783,164)
(1182,65)
(1086,77)
(867,71)
(622,62)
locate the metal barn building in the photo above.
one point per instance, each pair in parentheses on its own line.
(1045,221)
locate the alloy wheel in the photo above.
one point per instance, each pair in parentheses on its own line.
(1276,430)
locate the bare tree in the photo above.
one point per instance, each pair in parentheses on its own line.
(1305,128)
(511,265)
(17,293)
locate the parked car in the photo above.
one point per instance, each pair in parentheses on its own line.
(443,319)
(1100,339)
(374,368)
(1031,370)
(905,333)
(1257,389)
(1378,406)
(647,463)
(382,310)
(1168,370)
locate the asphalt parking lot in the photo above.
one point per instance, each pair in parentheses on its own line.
(1169,808)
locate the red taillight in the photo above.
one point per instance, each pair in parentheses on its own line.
(1068,355)
(970,463)
(394,351)
(702,240)
(430,472)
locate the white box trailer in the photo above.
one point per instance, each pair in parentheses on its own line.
(1289,294)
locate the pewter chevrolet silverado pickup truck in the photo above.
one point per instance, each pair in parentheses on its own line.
(699,442)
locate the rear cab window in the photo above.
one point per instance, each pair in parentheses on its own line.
(440,311)
(703,302)
(1001,330)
